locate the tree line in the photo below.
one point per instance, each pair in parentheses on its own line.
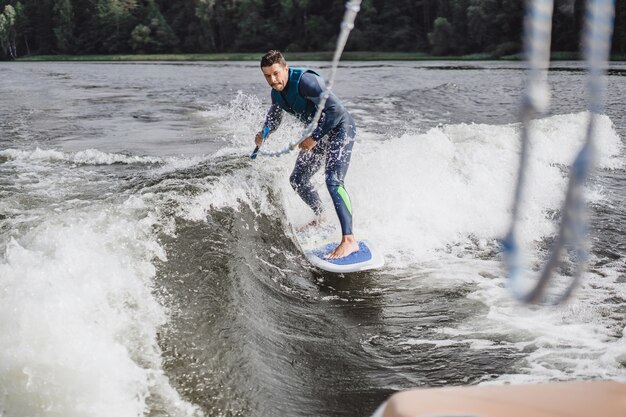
(439,27)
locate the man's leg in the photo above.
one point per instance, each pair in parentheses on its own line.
(307,164)
(337,162)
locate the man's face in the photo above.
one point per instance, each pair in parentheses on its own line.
(276,76)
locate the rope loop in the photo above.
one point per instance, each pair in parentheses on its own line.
(573,227)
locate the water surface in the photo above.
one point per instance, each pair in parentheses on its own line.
(148,265)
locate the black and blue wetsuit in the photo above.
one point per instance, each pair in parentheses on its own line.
(334,135)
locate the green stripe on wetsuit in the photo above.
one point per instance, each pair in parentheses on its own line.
(344,196)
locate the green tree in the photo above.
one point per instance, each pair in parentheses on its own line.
(253,30)
(205,12)
(454,11)
(140,40)
(7,31)
(441,36)
(508,25)
(114,22)
(619,33)
(22,25)
(63,25)
(565,36)
(398,25)
(366,28)
(294,34)
(4,34)
(319,32)
(118,26)
(162,37)
(182,19)
(219,19)
(41,28)
(479,26)
(152,34)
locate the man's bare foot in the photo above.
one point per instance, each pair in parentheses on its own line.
(316,222)
(348,246)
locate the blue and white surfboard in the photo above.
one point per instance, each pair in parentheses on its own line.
(366,258)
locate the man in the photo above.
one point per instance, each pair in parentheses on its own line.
(298,91)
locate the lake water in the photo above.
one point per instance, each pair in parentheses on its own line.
(147,265)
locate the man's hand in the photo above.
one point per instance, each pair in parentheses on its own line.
(258,139)
(307,144)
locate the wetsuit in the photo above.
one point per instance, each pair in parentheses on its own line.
(334,136)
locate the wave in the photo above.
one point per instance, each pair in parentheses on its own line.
(79,316)
(440,201)
(86,157)
(418,193)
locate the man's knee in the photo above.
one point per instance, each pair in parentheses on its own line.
(333,182)
(295,180)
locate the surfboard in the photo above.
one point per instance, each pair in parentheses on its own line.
(315,241)
(366,258)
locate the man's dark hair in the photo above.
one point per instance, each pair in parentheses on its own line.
(273,57)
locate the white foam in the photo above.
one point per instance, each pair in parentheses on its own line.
(436,200)
(436,343)
(456,181)
(78,320)
(572,341)
(87,157)
(244,117)
(419,193)
(228,190)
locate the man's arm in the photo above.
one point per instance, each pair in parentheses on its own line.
(274,117)
(272,120)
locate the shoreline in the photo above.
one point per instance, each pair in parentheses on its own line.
(295,56)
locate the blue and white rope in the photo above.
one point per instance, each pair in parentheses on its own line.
(573,227)
(352,9)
